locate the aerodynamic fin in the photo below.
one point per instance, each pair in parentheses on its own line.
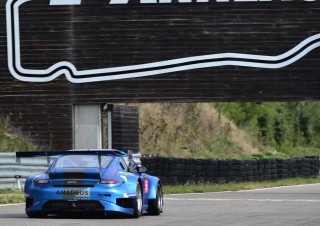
(25,154)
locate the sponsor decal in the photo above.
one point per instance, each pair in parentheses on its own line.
(125,195)
(111,172)
(146,185)
(124,177)
(71,182)
(73,192)
(126,173)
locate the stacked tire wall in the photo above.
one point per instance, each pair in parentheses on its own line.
(185,170)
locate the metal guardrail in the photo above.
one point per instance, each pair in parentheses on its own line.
(10,169)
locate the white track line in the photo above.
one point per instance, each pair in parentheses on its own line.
(280,187)
(252,200)
(13,204)
(258,189)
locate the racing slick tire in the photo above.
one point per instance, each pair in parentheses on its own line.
(137,205)
(156,205)
(36,214)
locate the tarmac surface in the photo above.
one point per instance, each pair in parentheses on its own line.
(294,205)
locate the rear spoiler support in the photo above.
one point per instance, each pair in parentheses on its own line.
(130,155)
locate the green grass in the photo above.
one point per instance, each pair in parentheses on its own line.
(8,196)
(202,187)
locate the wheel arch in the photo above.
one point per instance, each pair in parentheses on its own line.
(153,185)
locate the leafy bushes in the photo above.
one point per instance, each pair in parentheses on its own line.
(279,125)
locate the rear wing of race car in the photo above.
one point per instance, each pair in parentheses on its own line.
(49,154)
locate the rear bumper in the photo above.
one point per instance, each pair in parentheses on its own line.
(69,206)
(100,198)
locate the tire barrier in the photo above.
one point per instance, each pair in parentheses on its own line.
(180,170)
(188,170)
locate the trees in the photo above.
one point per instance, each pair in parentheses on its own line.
(280,125)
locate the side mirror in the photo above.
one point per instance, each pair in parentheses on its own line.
(142,169)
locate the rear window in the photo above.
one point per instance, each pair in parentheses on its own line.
(82,161)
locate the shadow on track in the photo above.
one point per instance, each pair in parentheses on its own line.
(13,215)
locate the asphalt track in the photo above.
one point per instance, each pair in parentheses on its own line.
(295,205)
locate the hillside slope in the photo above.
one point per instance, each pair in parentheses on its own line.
(216,130)
(10,140)
(192,130)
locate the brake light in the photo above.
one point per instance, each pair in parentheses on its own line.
(39,182)
(110,182)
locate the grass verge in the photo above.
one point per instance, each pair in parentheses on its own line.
(8,196)
(233,186)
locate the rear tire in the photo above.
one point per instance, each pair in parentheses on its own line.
(156,205)
(137,206)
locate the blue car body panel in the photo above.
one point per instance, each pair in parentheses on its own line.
(83,189)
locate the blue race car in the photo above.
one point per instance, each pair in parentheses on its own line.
(92,181)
